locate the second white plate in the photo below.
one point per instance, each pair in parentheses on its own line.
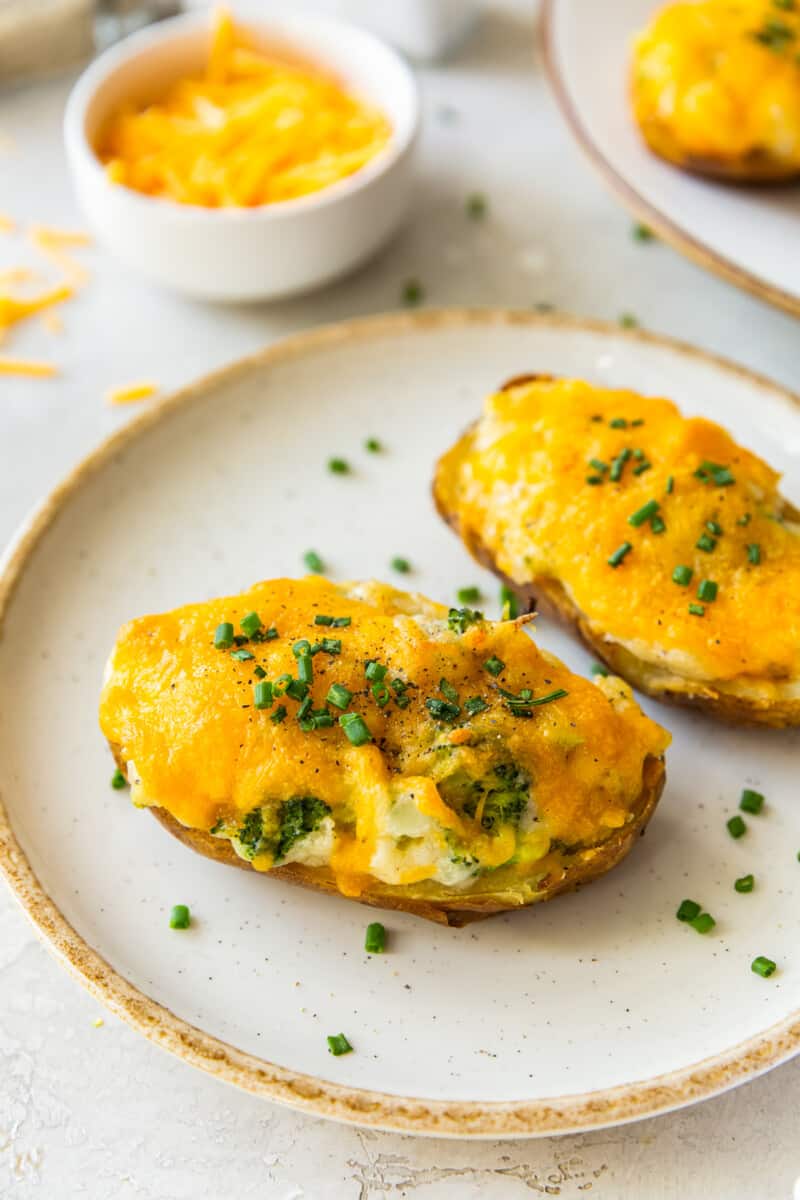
(743,234)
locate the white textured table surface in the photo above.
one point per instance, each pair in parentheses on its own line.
(98,1112)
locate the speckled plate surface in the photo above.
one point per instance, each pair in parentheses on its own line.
(595,1009)
(740,233)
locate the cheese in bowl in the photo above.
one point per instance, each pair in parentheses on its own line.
(250,129)
(369,742)
(715,87)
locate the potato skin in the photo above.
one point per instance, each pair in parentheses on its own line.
(756,167)
(433,902)
(547,594)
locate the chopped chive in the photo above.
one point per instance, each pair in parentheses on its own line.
(331,645)
(670,485)
(305,668)
(271,634)
(412,293)
(688,910)
(341,622)
(373,445)
(556,695)
(242,655)
(118,780)
(714,527)
(594,480)
(745,883)
(475,705)
(223,637)
(706,543)
(375,671)
(355,728)
(763,966)
(616,558)
(251,623)
(322,619)
(338,695)
(259,672)
(642,467)
(598,465)
(322,719)
(304,711)
(638,454)
(751,802)
(682,575)
(703,923)
(697,610)
(448,691)
(375,938)
(279,714)
(707,590)
(262,694)
(754,553)
(280,684)
(598,668)
(303,646)
(736,827)
(442,710)
(401,565)
(380,694)
(494,666)
(745,519)
(313,562)
(713,473)
(618,464)
(644,513)
(628,320)
(297,689)
(508,603)
(642,233)
(338,466)
(657,524)
(476,206)
(338,1044)
(636,422)
(618,423)
(179,917)
(468,595)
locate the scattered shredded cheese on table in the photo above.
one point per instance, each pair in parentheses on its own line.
(22,366)
(131,394)
(252,130)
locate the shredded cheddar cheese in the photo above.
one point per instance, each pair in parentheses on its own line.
(131,394)
(22,366)
(13,310)
(252,130)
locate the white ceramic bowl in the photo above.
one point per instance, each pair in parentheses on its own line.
(240,254)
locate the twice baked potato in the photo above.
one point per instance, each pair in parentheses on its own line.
(715,88)
(666,545)
(361,740)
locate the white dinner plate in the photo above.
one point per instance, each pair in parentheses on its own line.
(595,1009)
(748,235)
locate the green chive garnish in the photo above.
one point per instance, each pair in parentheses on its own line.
(180,917)
(322,619)
(618,423)
(697,610)
(262,694)
(682,576)
(594,480)
(714,527)
(448,691)
(751,802)
(303,646)
(707,590)
(475,705)
(616,558)
(442,710)
(670,485)
(259,672)
(628,320)
(341,622)
(598,668)
(305,668)
(251,623)
(375,671)
(271,634)
(712,473)
(297,689)
(313,562)
(118,780)
(657,524)
(598,465)
(642,467)
(509,603)
(706,543)
(375,938)
(380,694)
(556,695)
(242,655)
(338,466)
(736,827)
(401,565)
(745,883)
(355,728)
(617,465)
(331,645)
(373,445)
(688,910)
(223,637)
(412,293)
(703,923)
(494,666)
(279,714)
(744,519)
(476,206)
(644,513)
(338,1044)
(338,695)
(468,595)
(763,966)
(642,233)
(754,553)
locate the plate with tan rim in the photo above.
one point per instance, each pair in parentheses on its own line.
(595,1009)
(740,233)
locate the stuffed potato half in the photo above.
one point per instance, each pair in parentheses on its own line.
(715,88)
(666,545)
(364,741)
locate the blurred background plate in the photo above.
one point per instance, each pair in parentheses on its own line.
(742,233)
(592,1010)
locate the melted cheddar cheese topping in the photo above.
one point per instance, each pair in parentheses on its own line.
(251,130)
(534,482)
(443,795)
(720,80)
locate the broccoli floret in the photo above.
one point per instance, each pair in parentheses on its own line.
(504,794)
(460,619)
(251,833)
(297,817)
